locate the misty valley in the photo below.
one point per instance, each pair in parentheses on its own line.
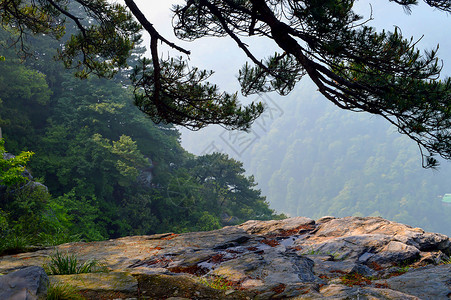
(124,167)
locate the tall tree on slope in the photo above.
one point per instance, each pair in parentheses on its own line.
(352,65)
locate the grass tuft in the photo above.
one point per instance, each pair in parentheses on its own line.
(66,264)
(13,244)
(62,292)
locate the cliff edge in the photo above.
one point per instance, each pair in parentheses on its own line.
(296,258)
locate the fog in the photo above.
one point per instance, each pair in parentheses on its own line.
(309,157)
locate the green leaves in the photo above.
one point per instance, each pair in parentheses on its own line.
(351,64)
(24,84)
(186,98)
(11,169)
(226,189)
(67,264)
(113,172)
(279,72)
(124,155)
(101,46)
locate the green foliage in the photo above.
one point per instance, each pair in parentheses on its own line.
(66,264)
(403,270)
(23,84)
(79,214)
(128,159)
(19,204)
(112,171)
(205,189)
(329,165)
(62,291)
(207,222)
(102,44)
(11,169)
(352,65)
(3,221)
(227,188)
(27,215)
(28,219)
(216,282)
(187,98)
(13,243)
(25,94)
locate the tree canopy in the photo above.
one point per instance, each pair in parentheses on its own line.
(108,170)
(353,65)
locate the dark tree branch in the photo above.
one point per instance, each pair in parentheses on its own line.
(70,16)
(150,28)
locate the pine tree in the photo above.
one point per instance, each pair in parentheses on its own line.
(353,66)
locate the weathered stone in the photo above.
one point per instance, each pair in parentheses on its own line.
(348,247)
(277,226)
(100,285)
(37,185)
(270,267)
(26,284)
(324,219)
(431,282)
(252,283)
(395,253)
(430,241)
(293,258)
(431,258)
(338,291)
(333,269)
(183,286)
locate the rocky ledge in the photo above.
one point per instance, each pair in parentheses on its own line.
(296,258)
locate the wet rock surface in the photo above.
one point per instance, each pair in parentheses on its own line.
(298,258)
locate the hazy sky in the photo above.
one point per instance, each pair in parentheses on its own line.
(223,56)
(423,20)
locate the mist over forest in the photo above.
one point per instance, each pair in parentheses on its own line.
(312,159)
(96,166)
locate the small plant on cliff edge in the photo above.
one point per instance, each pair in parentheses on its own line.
(403,269)
(216,282)
(65,264)
(12,243)
(61,291)
(355,279)
(312,251)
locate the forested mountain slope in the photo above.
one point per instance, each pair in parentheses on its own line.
(109,169)
(313,159)
(318,160)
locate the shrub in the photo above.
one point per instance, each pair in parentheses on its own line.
(11,169)
(12,243)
